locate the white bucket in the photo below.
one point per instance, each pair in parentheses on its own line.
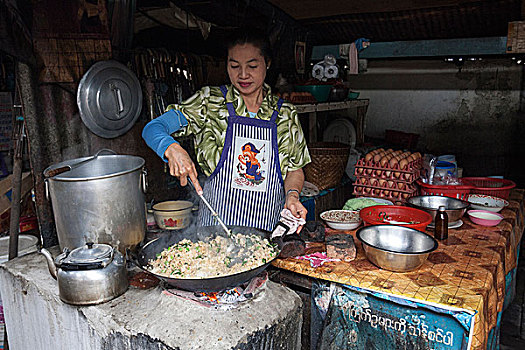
(27,244)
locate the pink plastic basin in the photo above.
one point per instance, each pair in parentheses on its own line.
(484,217)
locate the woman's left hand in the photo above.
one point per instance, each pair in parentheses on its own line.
(296,207)
(293,184)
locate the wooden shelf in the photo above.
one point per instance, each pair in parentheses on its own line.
(331,106)
(312,109)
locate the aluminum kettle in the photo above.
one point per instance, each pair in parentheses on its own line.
(88,275)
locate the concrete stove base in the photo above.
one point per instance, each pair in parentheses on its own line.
(140,319)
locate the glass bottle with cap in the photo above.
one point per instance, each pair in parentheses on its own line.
(441,224)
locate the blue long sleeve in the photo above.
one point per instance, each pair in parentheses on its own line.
(157,133)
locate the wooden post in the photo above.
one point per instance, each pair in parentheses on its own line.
(361,113)
(312,126)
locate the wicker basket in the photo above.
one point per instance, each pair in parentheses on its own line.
(328,164)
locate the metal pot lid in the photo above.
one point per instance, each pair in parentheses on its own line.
(109,98)
(96,255)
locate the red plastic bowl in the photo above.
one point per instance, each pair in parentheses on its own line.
(396,215)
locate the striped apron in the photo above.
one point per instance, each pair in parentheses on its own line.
(246,188)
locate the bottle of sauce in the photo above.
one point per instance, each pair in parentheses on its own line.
(441,224)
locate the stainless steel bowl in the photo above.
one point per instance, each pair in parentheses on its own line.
(396,248)
(455,208)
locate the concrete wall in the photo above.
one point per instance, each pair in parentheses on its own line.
(472,113)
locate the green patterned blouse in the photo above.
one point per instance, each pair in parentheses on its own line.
(207,117)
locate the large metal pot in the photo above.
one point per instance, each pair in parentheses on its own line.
(100,201)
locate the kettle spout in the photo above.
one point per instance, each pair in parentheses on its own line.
(50,263)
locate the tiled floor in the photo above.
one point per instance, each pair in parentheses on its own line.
(512,336)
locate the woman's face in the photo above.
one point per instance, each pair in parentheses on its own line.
(246,68)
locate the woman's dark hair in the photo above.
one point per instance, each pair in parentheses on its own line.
(256,37)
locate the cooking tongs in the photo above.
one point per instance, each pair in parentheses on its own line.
(213,212)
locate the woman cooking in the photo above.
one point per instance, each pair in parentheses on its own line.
(248,141)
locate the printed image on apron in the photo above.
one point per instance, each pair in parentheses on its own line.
(251,170)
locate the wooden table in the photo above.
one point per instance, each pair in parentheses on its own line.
(312,109)
(470,271)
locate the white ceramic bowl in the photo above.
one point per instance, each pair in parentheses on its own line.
(342,219)
(173,215)
(484,202)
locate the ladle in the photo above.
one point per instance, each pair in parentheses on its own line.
(213,212)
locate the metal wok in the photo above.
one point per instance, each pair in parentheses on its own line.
(151,249)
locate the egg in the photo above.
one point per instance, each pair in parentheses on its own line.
(389,151)
(378,157)
(386,193)
(367,190)
(384,161)
(373,182)
(377,192)
(411,158)
(387,173)
(369,156)
(393,163)
(394,194)
(405,154)
(407,176)
(363,180)
(391,184)
(359,171)
(405,195)
(397,174)
(403,164)
(382,183)
(418,155)
(401,185)
(369,171)
(378,173)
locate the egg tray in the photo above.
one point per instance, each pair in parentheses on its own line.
(410,174)
(399,198)
(397,185)
(387,174)
(411,167)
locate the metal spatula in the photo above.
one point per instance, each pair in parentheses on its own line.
(213,212)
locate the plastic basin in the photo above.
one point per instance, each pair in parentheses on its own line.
(484,217)
(396,215)
(320,92)
(352,95)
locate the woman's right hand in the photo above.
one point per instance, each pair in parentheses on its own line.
(181,166)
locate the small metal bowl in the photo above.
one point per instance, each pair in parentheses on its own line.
(455,208)
(396,248)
